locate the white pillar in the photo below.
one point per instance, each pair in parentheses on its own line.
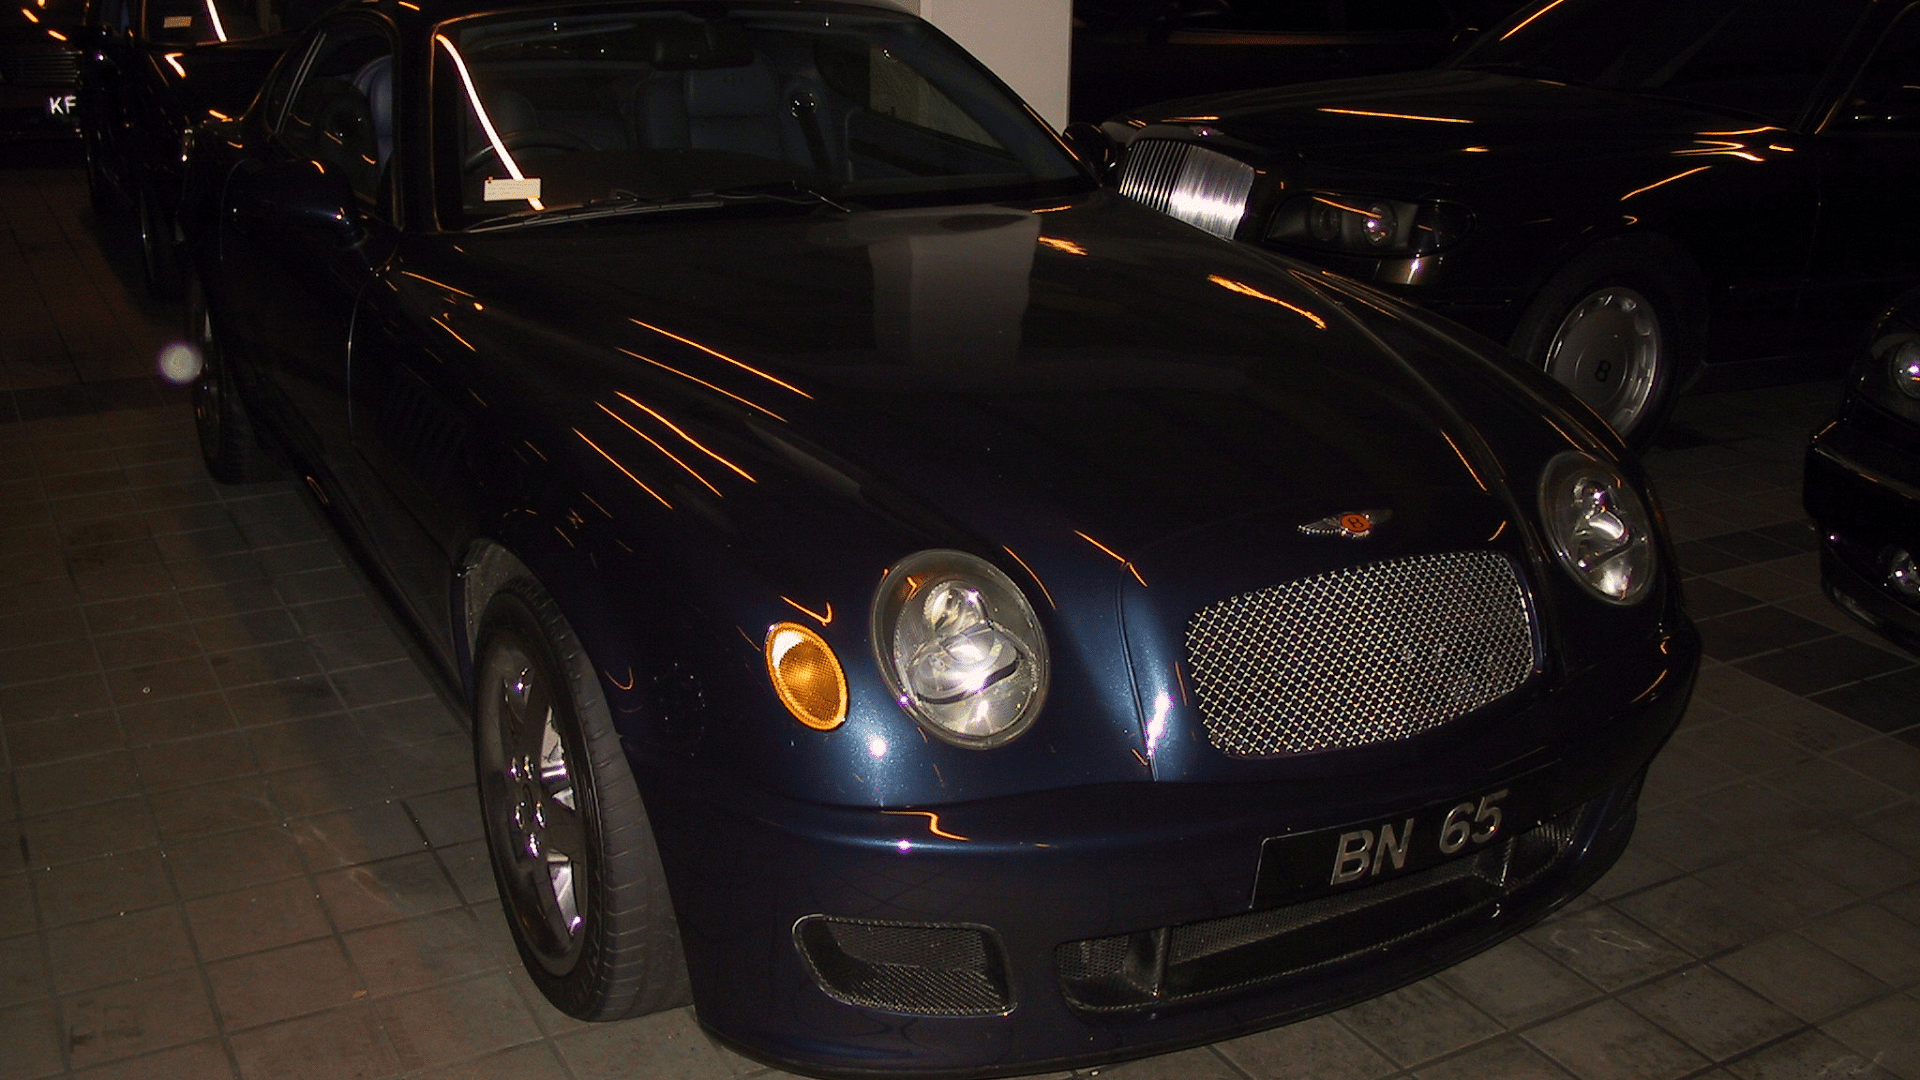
(1028,43)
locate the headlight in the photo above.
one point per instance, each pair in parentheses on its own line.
(1598,527)
(960,648)
(1903,370)
(1363,225)
(1890,375)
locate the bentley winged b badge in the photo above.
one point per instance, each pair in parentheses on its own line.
(1352,524)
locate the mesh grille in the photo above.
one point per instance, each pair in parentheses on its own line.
(48,67)
(908,968)
(1362,655)
(1200,187)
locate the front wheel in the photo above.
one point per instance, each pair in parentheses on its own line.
(572,850)
(1611,327)
(228,444)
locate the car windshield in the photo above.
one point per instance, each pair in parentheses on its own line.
(1760,56)
(577,111)
(197,22)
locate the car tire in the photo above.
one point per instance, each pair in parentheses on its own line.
(1615,327)
(228,442)
(159,261)
(572,849)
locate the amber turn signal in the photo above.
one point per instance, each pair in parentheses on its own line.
(807,676)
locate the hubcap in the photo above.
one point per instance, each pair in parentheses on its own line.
(1608,350)
(532,807)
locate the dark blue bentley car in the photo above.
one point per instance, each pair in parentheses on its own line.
(935,615)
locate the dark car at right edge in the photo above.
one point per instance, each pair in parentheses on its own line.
(1863,483)
(1636,195)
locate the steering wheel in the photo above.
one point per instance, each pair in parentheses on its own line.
(529,140)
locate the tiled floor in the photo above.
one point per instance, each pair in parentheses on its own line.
(237,832)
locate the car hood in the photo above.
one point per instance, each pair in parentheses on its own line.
(1092,370)
(1442,127)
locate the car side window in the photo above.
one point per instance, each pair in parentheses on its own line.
(1886,96)
(341,114)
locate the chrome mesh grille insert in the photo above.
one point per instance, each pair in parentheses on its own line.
(1205,189)
(1363,655)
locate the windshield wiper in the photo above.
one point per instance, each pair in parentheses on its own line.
(620,204)
(611,206)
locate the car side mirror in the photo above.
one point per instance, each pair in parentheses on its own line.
(1093,146)
(305,195)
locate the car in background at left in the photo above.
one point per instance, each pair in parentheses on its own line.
(1863,483)
(1634,195)
(152,70)
(39,71)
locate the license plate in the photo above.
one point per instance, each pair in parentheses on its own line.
(60,106)
(1298,866)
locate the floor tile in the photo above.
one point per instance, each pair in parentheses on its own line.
(1607,1040)
(1710,1012)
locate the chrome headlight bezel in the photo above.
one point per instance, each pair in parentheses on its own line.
(1599,528)
(995,699)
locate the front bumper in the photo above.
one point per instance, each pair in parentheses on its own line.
(1116,921)
(32,112)
(1863,492)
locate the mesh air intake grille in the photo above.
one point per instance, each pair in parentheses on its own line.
(907,968)
(40,67)
(1367,654)
(1200,187)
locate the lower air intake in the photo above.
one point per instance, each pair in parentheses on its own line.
(1363,655)
(1195,961)
(926,970)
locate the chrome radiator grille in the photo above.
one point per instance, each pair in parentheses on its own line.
(1363,655)
(1205,189)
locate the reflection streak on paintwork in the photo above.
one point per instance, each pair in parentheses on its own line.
(1051,209)
(1157,727)
(1116,556)
(933,823)
(705,383)
(722,356)
(436,284)
(213,14)
(1030,573)
(1530,18)
(624,422)
(1720,147)
(615,462)
(1661,183)
(455,333)
(1461,454)
(1245,289)
(1497,533)
(480,114)
(31,17)
(173,61)
(823,620)
(675,428)
(1396,116)
(1058,244)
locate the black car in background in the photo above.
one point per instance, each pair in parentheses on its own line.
(39,70)
(937,614)
(1626,192)
(1132,52)
(154,69)
(1863,483)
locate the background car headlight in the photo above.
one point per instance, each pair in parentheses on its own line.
(1363,225)
(960,648)
(1598,527)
